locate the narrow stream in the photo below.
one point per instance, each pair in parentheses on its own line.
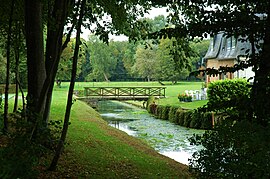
(165,137)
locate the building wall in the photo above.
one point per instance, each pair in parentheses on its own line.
(215,63)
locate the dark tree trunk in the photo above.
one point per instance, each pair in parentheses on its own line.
(55,30)
(5,128)
(23,98)
(50,89)
(35,52)
(17,58)
(261,91)
(70,93)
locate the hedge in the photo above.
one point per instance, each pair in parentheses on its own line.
(227,94)
(186,118)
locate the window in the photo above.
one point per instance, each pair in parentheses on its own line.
(233,42)
(213,42)
(229,43)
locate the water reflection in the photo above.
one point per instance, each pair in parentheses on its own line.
(168,139)
(122,127)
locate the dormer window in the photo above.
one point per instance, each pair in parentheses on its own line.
(214,41)
(233,43)
(229,43)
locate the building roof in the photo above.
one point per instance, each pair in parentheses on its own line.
(224,47)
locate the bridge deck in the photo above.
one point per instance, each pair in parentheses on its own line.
(124,93)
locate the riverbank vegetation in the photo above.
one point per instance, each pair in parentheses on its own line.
(94,149)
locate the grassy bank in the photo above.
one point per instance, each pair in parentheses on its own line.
(96,150)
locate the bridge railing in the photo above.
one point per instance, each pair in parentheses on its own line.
(128,92)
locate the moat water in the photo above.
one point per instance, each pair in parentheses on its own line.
(165,137)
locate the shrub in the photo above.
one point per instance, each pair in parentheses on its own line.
(206,121)
(150,100)
(165,112)
(232,151)
(228,94)
(196,120)
(172,114)
(159,111)
(187,118)
(180,116)
(152,109)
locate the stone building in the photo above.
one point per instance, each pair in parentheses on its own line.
(227,51)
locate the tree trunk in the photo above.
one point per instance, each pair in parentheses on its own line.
(106,78)
(35,52)
(261,91)
(49,93)
(70,93)
(17,57)
(23,98)
(55,30)
(5,128)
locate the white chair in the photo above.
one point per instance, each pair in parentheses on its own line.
(204,93)
(197,95)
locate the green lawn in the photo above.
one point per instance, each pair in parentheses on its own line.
(97,150)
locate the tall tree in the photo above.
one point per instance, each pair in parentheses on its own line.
(9,33)
(71,89)
(35,51)
(166,68)
(129,57)
(118,50)
(102,61)
(145,63)
(58,13)
(65,64)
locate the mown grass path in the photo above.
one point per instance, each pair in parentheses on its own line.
(96,150)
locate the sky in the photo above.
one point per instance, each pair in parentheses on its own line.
(152,13)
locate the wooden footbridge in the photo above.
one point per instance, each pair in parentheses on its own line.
(124,93)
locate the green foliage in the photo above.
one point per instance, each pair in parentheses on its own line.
(226,95)
(187,118)
(195,120)
(167,68)
(1,100)
(102,59)
(206,120)
(159,111)
(238,147)
(2,66)
(150,101)
(18,159)
(145,64)
(232,151)
(165,112)
(172,114)
(200,48)
(180,116)
(65,65)
(21,154)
